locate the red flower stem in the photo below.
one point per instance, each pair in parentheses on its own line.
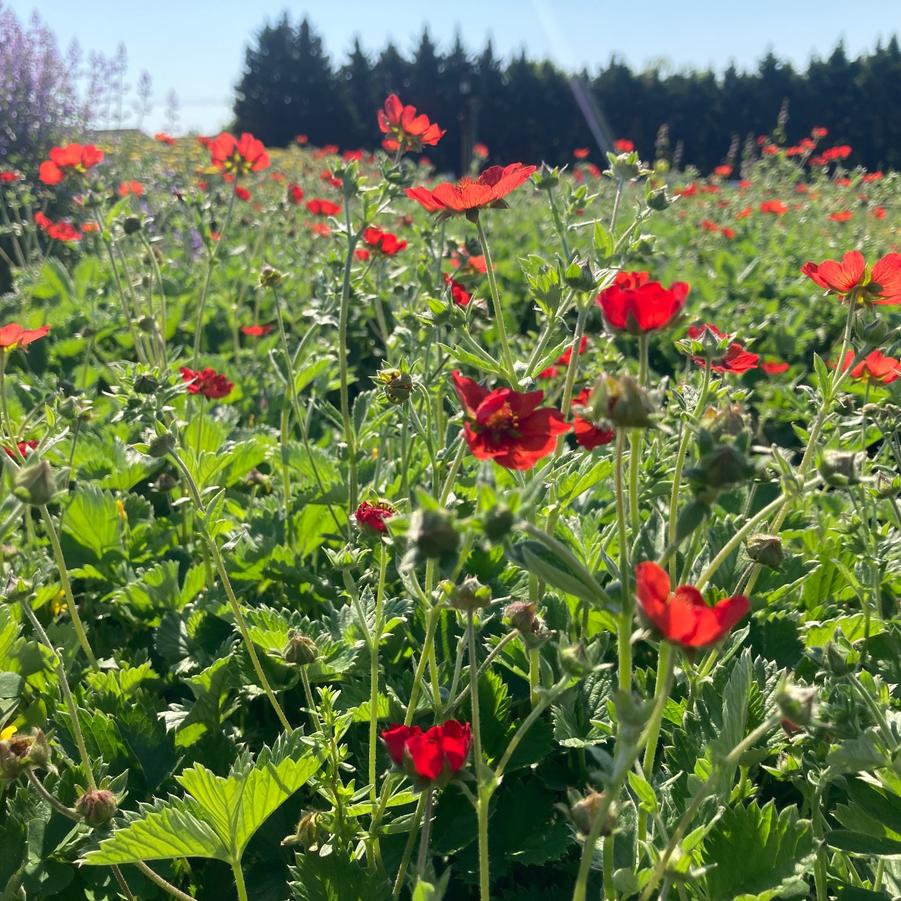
(573,367)
(374,642)
(425,834)
(408,848)
(483,794)
(498,309)
(635,440)
(350,439)
(431,625)
(624,628)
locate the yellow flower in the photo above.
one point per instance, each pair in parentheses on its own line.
(7,733)
(58,603)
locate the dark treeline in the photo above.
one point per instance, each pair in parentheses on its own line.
(533,111)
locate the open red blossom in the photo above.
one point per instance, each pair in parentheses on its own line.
(469,195)
(841,216)
(871,177)
(319,207)
(581,153)
(508,426)
(635,304)
(384,242)
(774,207)
(24,448)
(623,145)
(875,366)
(9,176)
(130,187)
(405,129)
(736,358)
(460,296)
(437,753)
(302,140)
(211,384)
(774,367)
(819,132)
(683,616)
(481,151)
(242,193)
(68,160)
(588,434)
(256,331)
(373,517)
(295,193)
(881,285)
(723,171)
(238,156)
(59,231)
(13,336)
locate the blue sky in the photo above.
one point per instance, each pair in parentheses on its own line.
(196,47)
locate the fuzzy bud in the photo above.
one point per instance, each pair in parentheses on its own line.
(766,549)
(270,277)
(622,401)
(34,484)
(301,650)
(97,806)
(470,595)
(839,468)
(796,703)
(433,534)
(523,616)
(585,812)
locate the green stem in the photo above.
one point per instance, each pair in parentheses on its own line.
(155,877)
(374,671)
(408,848)
(431,626)
(350,439)
(624,629)
(498,309)
(608,864)
(239,880)
(616,201)
(423,857)
(51,799)
(482,797)
(558,221)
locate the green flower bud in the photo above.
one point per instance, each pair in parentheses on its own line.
(301,650)
(433,534)
(546,178)
(523,616)
(270,277)
(796,703)
(398,385)
(585,812)
(623,401)
(20,753)
(497,523)
(470,595)
(97,806)
(161,445)
(765,549)
(839,468)
(657,199)
(131,225)
(580,275)
(34,484)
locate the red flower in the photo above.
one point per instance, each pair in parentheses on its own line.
(589,435)
(163,138)
(8,176)
(331,179)
(373,517)
(301,139)
(471,195)
(73,158)
(683,616)
(481,151)
(211,384)
(723,171)
(736,359)
(24,448)
(878,212)
(876,366)
(637,305)
(871,177)
(13,336)
(460,296)
(727,233)
(405,130)
(362,254)
(775,207)
(581,153)
(435,754)
(385,242)
(321,229)
(883,287)
(841,216)
(774,367)
(242,193)
(295,193)
(507,426)
(623,145)
(131,187)
(234,156)
(819,132)
(256,331)
(319,207)
(59,231)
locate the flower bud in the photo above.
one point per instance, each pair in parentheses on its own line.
(131,225)
(623,401)
(97,806)
(574,660)
(871,331)
(301,650)
(270,277)
(309,832)
(147,324)
(796,703)
(433,534)
(470,595)
(20,753)
(523,616)
(546,178)
(765,549)
(161,445)
(585,812)
(722,467)
(34,484)
(146,384)
(657,199)
(398,385)
(839,468)
(580,275)
(498,522)
(624,166)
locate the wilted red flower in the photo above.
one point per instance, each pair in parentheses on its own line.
(295,193)
(460,296)
(238,156)
(588,434)
(774,207)
(59,231)
(683,616)
(881,286)
(256,331)
(405,129)
(13,336)
(71,159)
(774,367)
(623,145)
(373,517)
(736,358)
(723,171)
(384,242)
(434,754)
(23,446)
(481,151)
(581,153)
(163,138)
(470,195)
(131,187)
(242,193)
(320,207)
(841,216)
(563,360)
(507,426)
(637,305)
(8,176)
(875,366)
(211,384)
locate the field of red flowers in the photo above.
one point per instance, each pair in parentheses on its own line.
(370,535)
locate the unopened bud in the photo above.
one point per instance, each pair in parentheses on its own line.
(470,595)
(433,534)
(270,277)
(131,225)
(580,275)
(161,445)
(20,753)
(301,650)
(546,178)
(766,549)
(796,703)
(839,468)
(498,522)
(309,832)
(657,199)
(97,806)
(623,401)
(586,811)
(523,616)
(398,385)
(34,484)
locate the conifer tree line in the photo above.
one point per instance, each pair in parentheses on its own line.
(530,110)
